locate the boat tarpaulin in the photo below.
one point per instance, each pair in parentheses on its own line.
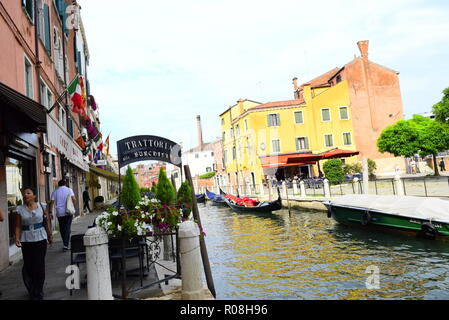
(434,209)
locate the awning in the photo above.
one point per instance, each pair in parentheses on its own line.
(338,153)
(107,174)
(33,113)
(61,140)
(299,159)
(288,160)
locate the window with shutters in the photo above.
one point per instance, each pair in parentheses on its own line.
(43,18)
(328,140)
(299,119)
(302,143)
(276,145)
(325,114)
(28,7)
(28,79)
(274,120)
(344,115)
(347,138)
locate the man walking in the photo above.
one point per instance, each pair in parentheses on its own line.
(86,200)
(59,198)
(442,165)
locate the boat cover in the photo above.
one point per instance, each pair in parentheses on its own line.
(434,209)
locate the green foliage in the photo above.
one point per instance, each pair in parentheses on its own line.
(165,192)
(153,188)
(417,135)
(400,139)
(130,190)
(352,168)
(145,190)
(185,197)
(371,166)
(441,109)
(333,170)
(207,175)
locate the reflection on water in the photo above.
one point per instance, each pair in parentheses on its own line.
(309,256)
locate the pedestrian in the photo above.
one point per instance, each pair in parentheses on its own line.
(59,199)
(32,232)
(442,165)
(86,199)
(413,166)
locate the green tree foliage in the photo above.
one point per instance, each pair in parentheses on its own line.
(352,168)
(333,170)
(185,197)
(419,135)
(207,175)
(130,190)
(165,192)
(441,109)
(153,188)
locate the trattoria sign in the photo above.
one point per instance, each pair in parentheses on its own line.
(140,148)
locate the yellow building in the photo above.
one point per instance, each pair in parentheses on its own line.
(283,138)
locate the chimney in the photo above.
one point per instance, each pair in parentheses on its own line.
(200,132)
(363,47)
(295,88)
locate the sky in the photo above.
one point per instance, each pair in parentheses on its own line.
(155,65)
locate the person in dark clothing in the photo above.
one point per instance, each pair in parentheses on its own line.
(86,199)
(442,165)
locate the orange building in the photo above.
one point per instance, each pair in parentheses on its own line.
(375,102)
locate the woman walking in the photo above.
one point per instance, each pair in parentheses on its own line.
(33,230)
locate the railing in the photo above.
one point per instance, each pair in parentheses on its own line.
(425,186)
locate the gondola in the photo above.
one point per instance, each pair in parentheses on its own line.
(261,207)
(217,199)
(201,198)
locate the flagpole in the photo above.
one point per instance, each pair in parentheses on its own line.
(62,94)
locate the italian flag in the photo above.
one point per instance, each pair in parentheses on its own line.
(75,90)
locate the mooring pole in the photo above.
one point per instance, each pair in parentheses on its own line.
(196,216)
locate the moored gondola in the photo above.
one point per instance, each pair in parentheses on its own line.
(217,199)
(200,198)
(259,207)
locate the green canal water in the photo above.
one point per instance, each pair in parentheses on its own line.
(306,255)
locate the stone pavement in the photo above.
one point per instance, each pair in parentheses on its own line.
(12,287)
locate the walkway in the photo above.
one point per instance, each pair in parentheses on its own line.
(12,287)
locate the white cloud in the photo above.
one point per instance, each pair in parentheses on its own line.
(155,65)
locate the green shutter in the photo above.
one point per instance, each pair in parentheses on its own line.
(47,28)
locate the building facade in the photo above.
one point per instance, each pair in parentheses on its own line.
(344,109)
(44,48)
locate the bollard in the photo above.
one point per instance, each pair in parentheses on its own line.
(168,247)
(295,187)
(327,191)
(398,185)
(97,264)
(357,188)
(302,187)
(284,190)
(190,256)
(269,190)
(262,191)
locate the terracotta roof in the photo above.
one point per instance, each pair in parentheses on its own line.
(321,79)
(285,103)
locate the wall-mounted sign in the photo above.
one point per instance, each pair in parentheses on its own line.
(140,148)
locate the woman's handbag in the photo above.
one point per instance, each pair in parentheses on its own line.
(70,208)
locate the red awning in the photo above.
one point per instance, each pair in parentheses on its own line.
(299,159)
(338,153)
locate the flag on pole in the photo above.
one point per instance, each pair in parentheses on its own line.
(75,90)
(106,145)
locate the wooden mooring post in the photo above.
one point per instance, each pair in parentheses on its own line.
(196,216)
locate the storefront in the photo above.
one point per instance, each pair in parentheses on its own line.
(21,119)
(71,160)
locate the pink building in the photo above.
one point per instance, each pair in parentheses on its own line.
(40,55)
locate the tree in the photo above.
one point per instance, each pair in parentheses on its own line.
(185,197)
(130,191)
(419,135)
(441,109)
(165,192)
(333,170)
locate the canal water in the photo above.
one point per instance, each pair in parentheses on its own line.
(306,255)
